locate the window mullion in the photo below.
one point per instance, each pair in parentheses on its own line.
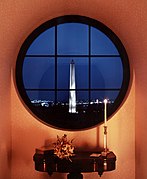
(56,64)
(89,53)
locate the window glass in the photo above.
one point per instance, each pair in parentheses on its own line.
(72,38)
(67,67)
(63,97)
(81,72)
(38,72)
(101,44)
(100,95)
(44,44)
(106,72)
(40,96)
(82,96)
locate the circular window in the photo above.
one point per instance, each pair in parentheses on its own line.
(67,67)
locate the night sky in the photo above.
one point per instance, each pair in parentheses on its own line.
(104,72)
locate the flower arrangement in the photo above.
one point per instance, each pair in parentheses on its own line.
(63,148)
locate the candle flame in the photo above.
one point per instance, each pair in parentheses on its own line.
(105,100)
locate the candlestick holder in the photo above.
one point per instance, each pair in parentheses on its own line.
(106,150)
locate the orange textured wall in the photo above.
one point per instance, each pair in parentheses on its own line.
(5,110)
(22,133)
(5,100)
(139,51)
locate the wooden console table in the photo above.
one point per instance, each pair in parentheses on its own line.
(82,162)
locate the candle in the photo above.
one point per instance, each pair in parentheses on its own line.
(104,153)
(105,112)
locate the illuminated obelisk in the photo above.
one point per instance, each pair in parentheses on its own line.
(72,87)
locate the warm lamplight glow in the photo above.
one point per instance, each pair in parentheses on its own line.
(105,100)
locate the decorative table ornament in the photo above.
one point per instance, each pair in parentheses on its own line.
(63,148)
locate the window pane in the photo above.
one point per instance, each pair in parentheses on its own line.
(72,38)
(82,96)
(63,73)
(106,72)
(63,96)
(38,73)
(82,101)
(44,44)
(41,96)
(101,44)
(81,72)
(99,96)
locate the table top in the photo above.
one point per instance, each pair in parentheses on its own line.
(82,161)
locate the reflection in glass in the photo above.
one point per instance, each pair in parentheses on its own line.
(39,73)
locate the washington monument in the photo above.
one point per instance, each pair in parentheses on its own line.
(72,88)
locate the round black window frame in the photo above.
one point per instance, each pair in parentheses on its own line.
(73,123)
